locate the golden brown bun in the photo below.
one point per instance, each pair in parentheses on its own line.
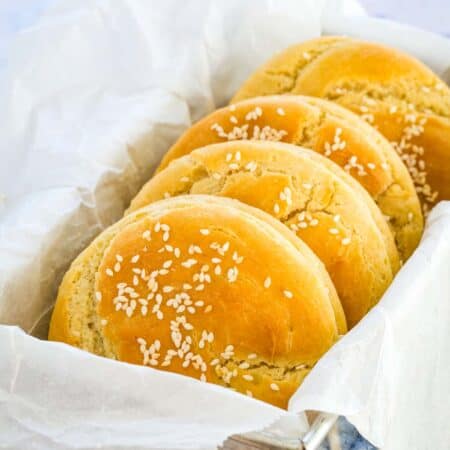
(394,92)
(330,130)
(306,192)
(183,285)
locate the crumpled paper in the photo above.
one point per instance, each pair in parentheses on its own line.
(95,93)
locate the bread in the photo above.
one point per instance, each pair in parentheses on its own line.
(306,192)
(202,286)
(330,130)
(394,92)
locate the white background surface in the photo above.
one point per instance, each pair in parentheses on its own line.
(432,15)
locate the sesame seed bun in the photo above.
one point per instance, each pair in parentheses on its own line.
(330,130)
(392,91)
(205,287)
(305,191)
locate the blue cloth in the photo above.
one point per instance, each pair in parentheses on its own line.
(349,438)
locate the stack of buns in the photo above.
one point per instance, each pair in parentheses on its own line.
(272,225)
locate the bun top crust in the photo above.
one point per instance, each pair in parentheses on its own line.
(396,93)
(310,197)
(202,287)
(330,130)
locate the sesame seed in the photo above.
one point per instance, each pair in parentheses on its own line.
(229,348)
(228,157)
(371,166)
(288,294)
(232,107)
(249,393)
(313,222)
(109,272)
(98,294)
(103,322)
(214,362)
(237,156)
(252,356)
(208,309)
(146,235)
(346,241)
(157,227)
(117,267)
(337,218)
(393,109)
(119,258)
(244,365)
(410,216)
(247,377)
(307,186)
(280,111)
(189,263)
(233,119)
(274,387)
(203,378)
(167,264)
(267,282)
(184,179)
(217,270)
(204,231)
(251,166)
(385,166)
(333,231)
(135,259)
(306,56)
(276,208)
(232,274)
